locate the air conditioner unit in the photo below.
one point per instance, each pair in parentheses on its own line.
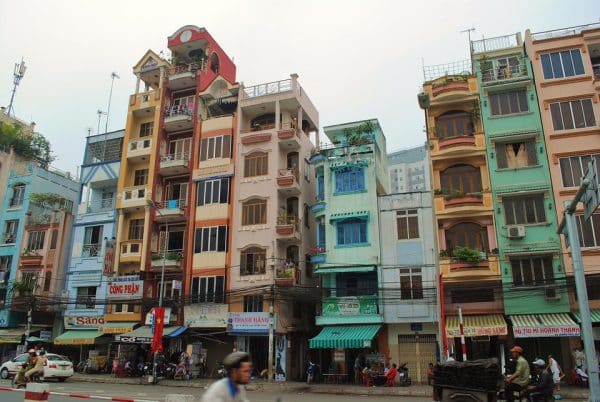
(550,293)
(516,232)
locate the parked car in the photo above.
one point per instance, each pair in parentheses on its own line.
(58,367)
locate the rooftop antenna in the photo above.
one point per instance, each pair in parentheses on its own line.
(113,75)
(100,113)
(468,31)
(18,74)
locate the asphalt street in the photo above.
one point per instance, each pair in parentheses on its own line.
(158,393)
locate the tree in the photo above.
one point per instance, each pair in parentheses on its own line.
(28,145)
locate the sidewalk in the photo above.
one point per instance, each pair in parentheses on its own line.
(567,392)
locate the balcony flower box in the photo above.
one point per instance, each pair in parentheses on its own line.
(457,141)
(461,265)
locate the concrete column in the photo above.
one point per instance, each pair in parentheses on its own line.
(146,239)
(491,236)
(277,116)
(120,234)
(137,84)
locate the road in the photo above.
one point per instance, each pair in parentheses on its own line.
(158,392)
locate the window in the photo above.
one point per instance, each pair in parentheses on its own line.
(454,124)
(5,265)
(253,304)
(213,192)
(593,287)
(463,179)
(256,164)
(352,284)
(566,63)
(467,234)
(513,155)
(321,232)
(307,216)
(407,222)
(411,284)
(349,179)
(254,212)
(573,168)
(136,229)
(107,200)
(10,231)
(53,239)
(320,187)
(532,271)
(508,103)
(352,231)
(92,241)
(524,209)
(208,289)
(47,281)
(215,147)
(253,261)
(478,295)
(306,170)
(35,240)
(86,297)
(210,239)
(140,177)
(17,196)
(571,115)
(589,231)
(146,129)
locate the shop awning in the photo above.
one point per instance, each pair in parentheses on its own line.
(115,328)
(346,215)
(11,335)
(544,325)
(144,334)
(594,312)
(345,337)
(78,337)
(334,270)
(476,325)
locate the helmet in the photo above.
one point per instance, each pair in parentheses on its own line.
(539,362)
(31,351)
(517,349)
(235,359)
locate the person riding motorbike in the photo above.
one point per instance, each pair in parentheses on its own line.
(29,363)
(38,365)
(231,388)
(540,390)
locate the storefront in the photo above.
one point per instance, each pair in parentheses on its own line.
(485,335)
(79,344)
(11,340)
(135,345)
(414,344)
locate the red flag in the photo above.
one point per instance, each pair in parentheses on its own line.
(159,323)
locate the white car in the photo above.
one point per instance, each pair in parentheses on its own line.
(58,367)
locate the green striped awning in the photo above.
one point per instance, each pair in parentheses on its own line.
(345,337)
(594,312)
(346,215)
(78,337)
(11,335)
(544,325)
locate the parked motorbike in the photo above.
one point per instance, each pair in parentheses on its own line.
(311,372)
(221,372)
(405,380)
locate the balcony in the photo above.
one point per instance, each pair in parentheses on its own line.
(257,133)
(91,250)
(270,88)
(318,208)
(179,118)
(288,137)
(318,254)
(457,146)
(171,260)
(170,211)
(144,103)
(287,182)
(288,228)
(184,75)
(505,74)
(350,310)
(139,149)
(9,238)
(31,258)
(459,203)
(131,251)
(285,275)
(456,269)
(175,164)
(135,197)
(98,206)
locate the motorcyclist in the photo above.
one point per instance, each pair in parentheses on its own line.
(231,388)
(38,365)
(29,363)
(541,387)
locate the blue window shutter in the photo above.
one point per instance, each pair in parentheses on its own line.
(363,232)
(547,66)
(361,179)
(577,62)
(340,233)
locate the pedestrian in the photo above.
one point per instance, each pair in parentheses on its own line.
(520,378)
(231,388)
(557,374)
(358,368)
(451,358)
(429,373)
(541,388)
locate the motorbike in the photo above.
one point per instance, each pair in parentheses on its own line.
(221,372)
(22,382)
(405,380)
(88,366)
(311,372)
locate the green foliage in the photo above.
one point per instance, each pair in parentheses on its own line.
(467,254)
(32,146)
(49,200)
(361,135)
(438,191)
(23,286)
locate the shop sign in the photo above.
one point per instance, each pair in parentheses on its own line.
(150,316)
(134,339)
(361,305)
(119,289)
(416,326)
(280,358)
(109,257)
(339,355)
(534,332)
(249,322)
(45,335)
(492,330)
(116,330)
(83,322)
(207,315)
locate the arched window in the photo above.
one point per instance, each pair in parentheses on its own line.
(455,123)
(467,234)
(214,63)
(254,212)
(253,261)
(461,179)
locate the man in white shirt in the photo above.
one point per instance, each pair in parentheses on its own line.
(231,388)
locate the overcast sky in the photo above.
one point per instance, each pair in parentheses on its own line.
(356,59)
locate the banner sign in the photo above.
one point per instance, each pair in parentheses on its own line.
(209,315)
(83,322)
(280,358)
(361,305)
(150,316)
(109,257)
(118,289)
(45,335)
(249,323)
(534,332)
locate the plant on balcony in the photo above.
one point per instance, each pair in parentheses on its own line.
(467,254)
(30,253)
(444,253)
(22,287)
(49,200)
(285,273)
(24,142)
(438,191)
(453,194)
(476,194)
(174,256)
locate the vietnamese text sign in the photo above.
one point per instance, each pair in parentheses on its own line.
(209,315)
(109,257)
(488,330)
(534,332)
(83,322)
(248,322)
(124,289)
(350,305)
(150,316)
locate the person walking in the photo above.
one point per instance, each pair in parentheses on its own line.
(520,378)
(557,374)
(231,388)
(358,369)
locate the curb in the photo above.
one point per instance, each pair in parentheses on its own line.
(80,396)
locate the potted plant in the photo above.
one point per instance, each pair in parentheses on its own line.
(467,254)
(22,288)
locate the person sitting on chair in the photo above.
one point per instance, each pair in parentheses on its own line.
(541,389)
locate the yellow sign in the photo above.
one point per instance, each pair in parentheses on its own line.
(116,330)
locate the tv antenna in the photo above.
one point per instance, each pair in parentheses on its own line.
(100,114)
(113,75)
(18,74)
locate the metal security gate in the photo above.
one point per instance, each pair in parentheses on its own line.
(418,351)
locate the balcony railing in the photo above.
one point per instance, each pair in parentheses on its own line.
(557,33)
(134,193)
(497,43)
(182,157)
(283,173)
(462,67)
(42,219)
(171,204)
(9,238)
(269,88)
(505,73)
(185,68)
(288,220)
(318,249)
(104,205)
(91,250)
(179,110)
(171,258)
(258,127)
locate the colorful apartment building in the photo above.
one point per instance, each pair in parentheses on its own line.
(566,67)
(464,216)
(271,278)
(409,267)
(351,174)
(531,264)
(92,248)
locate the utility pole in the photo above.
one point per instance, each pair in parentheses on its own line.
(113,75)
(461,325)
(30,302)
(18,74)
(271,320)
(589,194)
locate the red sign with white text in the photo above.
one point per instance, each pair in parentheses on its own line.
(534,332)
(129,289)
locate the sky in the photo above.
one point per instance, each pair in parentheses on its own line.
(355,59)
